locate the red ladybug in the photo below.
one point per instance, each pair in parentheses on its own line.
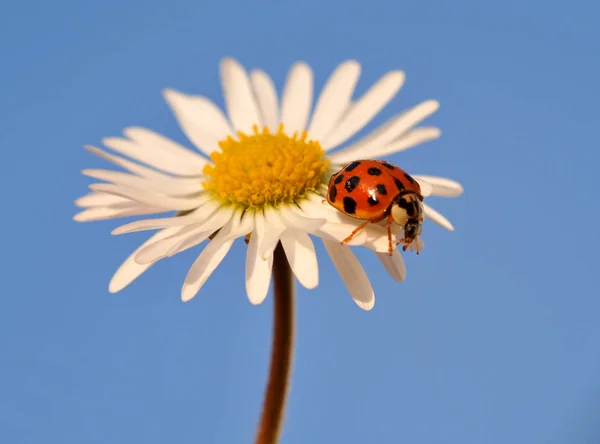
(372,190)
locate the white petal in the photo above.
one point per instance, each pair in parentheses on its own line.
(239,97)
(386,133)
(196,237)
(130,270)
(379,242)
(301,255)
(394,265)
(103,213)
(213,254)
(314,207)
(155,251)
(149,155)
(195,217)
(293,219)
(127,164)
(339,232)
(175,186)
(207,262)
(334,99)
(266,96)
(338,225)
(436,217)
(352,273)
(297,98)
(418,244)
(258,270)
(442,186)
(149,198)
(100,200)
(409,140)
(200,119)
(272,235)
(188,237)
(412,117)
(150,139)
(426,187)
(367,107)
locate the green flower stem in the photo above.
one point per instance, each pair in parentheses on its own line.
(281,355)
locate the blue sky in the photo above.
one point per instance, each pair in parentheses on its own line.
(493,338)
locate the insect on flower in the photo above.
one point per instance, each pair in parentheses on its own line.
(374,190)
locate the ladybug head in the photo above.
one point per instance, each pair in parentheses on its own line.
(412,229)
(407,211)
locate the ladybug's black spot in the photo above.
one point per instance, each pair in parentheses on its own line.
(349,205)
(352,165)
(374,171)
(338,179)
(388,165)
(351,183)
(373,200)
(399,184)
(381,189)
(332,193)
(410,179)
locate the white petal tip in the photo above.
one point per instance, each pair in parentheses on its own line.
(397,76)
(115,287)
(256,301)
(301,64)
(185,297)
(132,131)
(433,104)
(366,306)
(351,62)
(108,141)
(308,281)
(189,290)
(310,285)
(171,95)
(229,62)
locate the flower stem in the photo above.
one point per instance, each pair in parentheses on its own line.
(281,354)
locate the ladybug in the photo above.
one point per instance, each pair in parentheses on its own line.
(373,190)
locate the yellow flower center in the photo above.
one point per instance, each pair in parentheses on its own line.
(265,169)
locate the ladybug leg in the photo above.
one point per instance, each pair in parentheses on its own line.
(390,219)
(356,230)
(407,245)
(404,241)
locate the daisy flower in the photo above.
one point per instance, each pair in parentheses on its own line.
(259,172)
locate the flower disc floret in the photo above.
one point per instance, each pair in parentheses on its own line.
(265,169)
